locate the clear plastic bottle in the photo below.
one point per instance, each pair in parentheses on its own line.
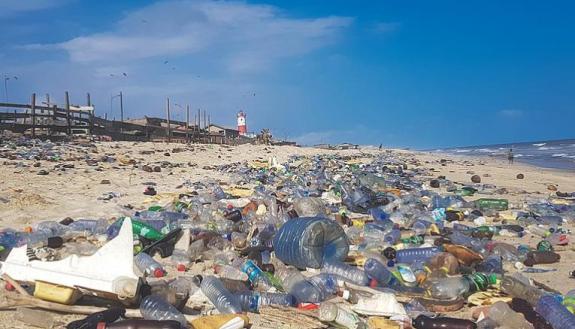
(314,290)
(307,242)
(452,287)
(555,313)
(392,237)
(181,259)
(148,266)
(186,285)
(222,299)
(153,307)
(345,272)
(251,301)
(412,255)
(504,316)
(256,275)
(330,312)
(516,288)
(230,272)
(309,207)
(376,270)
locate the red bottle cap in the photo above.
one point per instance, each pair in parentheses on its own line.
(158,273)
(8,286)
(308,306)
(101,325)
(181,268)
(373,283)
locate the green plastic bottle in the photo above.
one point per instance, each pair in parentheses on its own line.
(493,204)
(145,230)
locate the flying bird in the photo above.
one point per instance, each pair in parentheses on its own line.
(112,75)
(165,62)
(124,74)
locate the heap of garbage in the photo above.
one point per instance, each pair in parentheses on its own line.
(326,241)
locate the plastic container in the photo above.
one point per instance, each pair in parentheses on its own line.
(555,313)
(453,287)
(148,266)
(330,312)
(307,242)
(392,236)
(252,301)
(222,299)
(312,290)
(56,293)
(230,272)
(345,272)
(153,307)
(504,316)
(377,271)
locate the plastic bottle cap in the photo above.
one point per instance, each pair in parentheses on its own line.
(158,273)
(28,229)
(101,325)
(181,268)
(8,286)
(373,283)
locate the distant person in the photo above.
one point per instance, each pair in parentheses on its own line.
(510,156)
(380,146)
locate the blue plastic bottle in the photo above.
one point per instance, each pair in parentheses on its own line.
(378,271)
(555,313)
(412,255)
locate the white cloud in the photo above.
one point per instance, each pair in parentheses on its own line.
(247,37)
(511,113)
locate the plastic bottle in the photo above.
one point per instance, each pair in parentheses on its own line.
(555,313)
(453,287)
(503,315)
(376,270)
(251,301)
(516,288)
(314,290)
(222,299)
(181,259)
(153,307)
(186,285)
(425,322)
(492,204)
(147,265)
(307,242)
(541,257)
(140,324)
(145,230)
(392,236)
(491,264)
(230,272)
(256,275)
(411,255)
(330,312)
(345,272)
(522,306)
(309,207)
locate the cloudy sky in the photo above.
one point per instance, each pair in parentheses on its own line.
(417,74)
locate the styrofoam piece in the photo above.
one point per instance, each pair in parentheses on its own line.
(110,269)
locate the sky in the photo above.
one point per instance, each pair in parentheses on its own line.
(418,74)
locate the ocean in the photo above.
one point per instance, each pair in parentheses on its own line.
(558,154)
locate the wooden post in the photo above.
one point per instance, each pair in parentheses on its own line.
(168,116)
(199,125)
(89,101)
(121,113)
(67,96)
(33,109)
(187,123)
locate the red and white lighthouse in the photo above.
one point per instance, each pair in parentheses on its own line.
(242,127)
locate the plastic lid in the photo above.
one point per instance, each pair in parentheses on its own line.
(181,268)
(28,229)
(101,325)
(373,283)
(158,273)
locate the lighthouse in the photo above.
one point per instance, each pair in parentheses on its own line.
(242,127)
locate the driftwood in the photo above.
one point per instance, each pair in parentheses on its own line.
(12,301)
(279,317)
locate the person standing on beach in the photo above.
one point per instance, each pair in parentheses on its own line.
(510,156)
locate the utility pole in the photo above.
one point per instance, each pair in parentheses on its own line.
(168,116)
(187,123)
(67,97)
(33,108)
(91,114)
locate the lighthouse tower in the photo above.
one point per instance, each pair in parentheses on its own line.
(242,127)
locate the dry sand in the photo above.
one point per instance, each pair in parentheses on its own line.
(26,197)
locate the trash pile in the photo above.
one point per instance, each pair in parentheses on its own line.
(324,241)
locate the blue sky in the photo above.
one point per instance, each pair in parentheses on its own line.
(420,74)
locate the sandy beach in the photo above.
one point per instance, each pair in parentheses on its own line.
(74,187)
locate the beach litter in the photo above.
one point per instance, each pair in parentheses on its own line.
(324,241)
